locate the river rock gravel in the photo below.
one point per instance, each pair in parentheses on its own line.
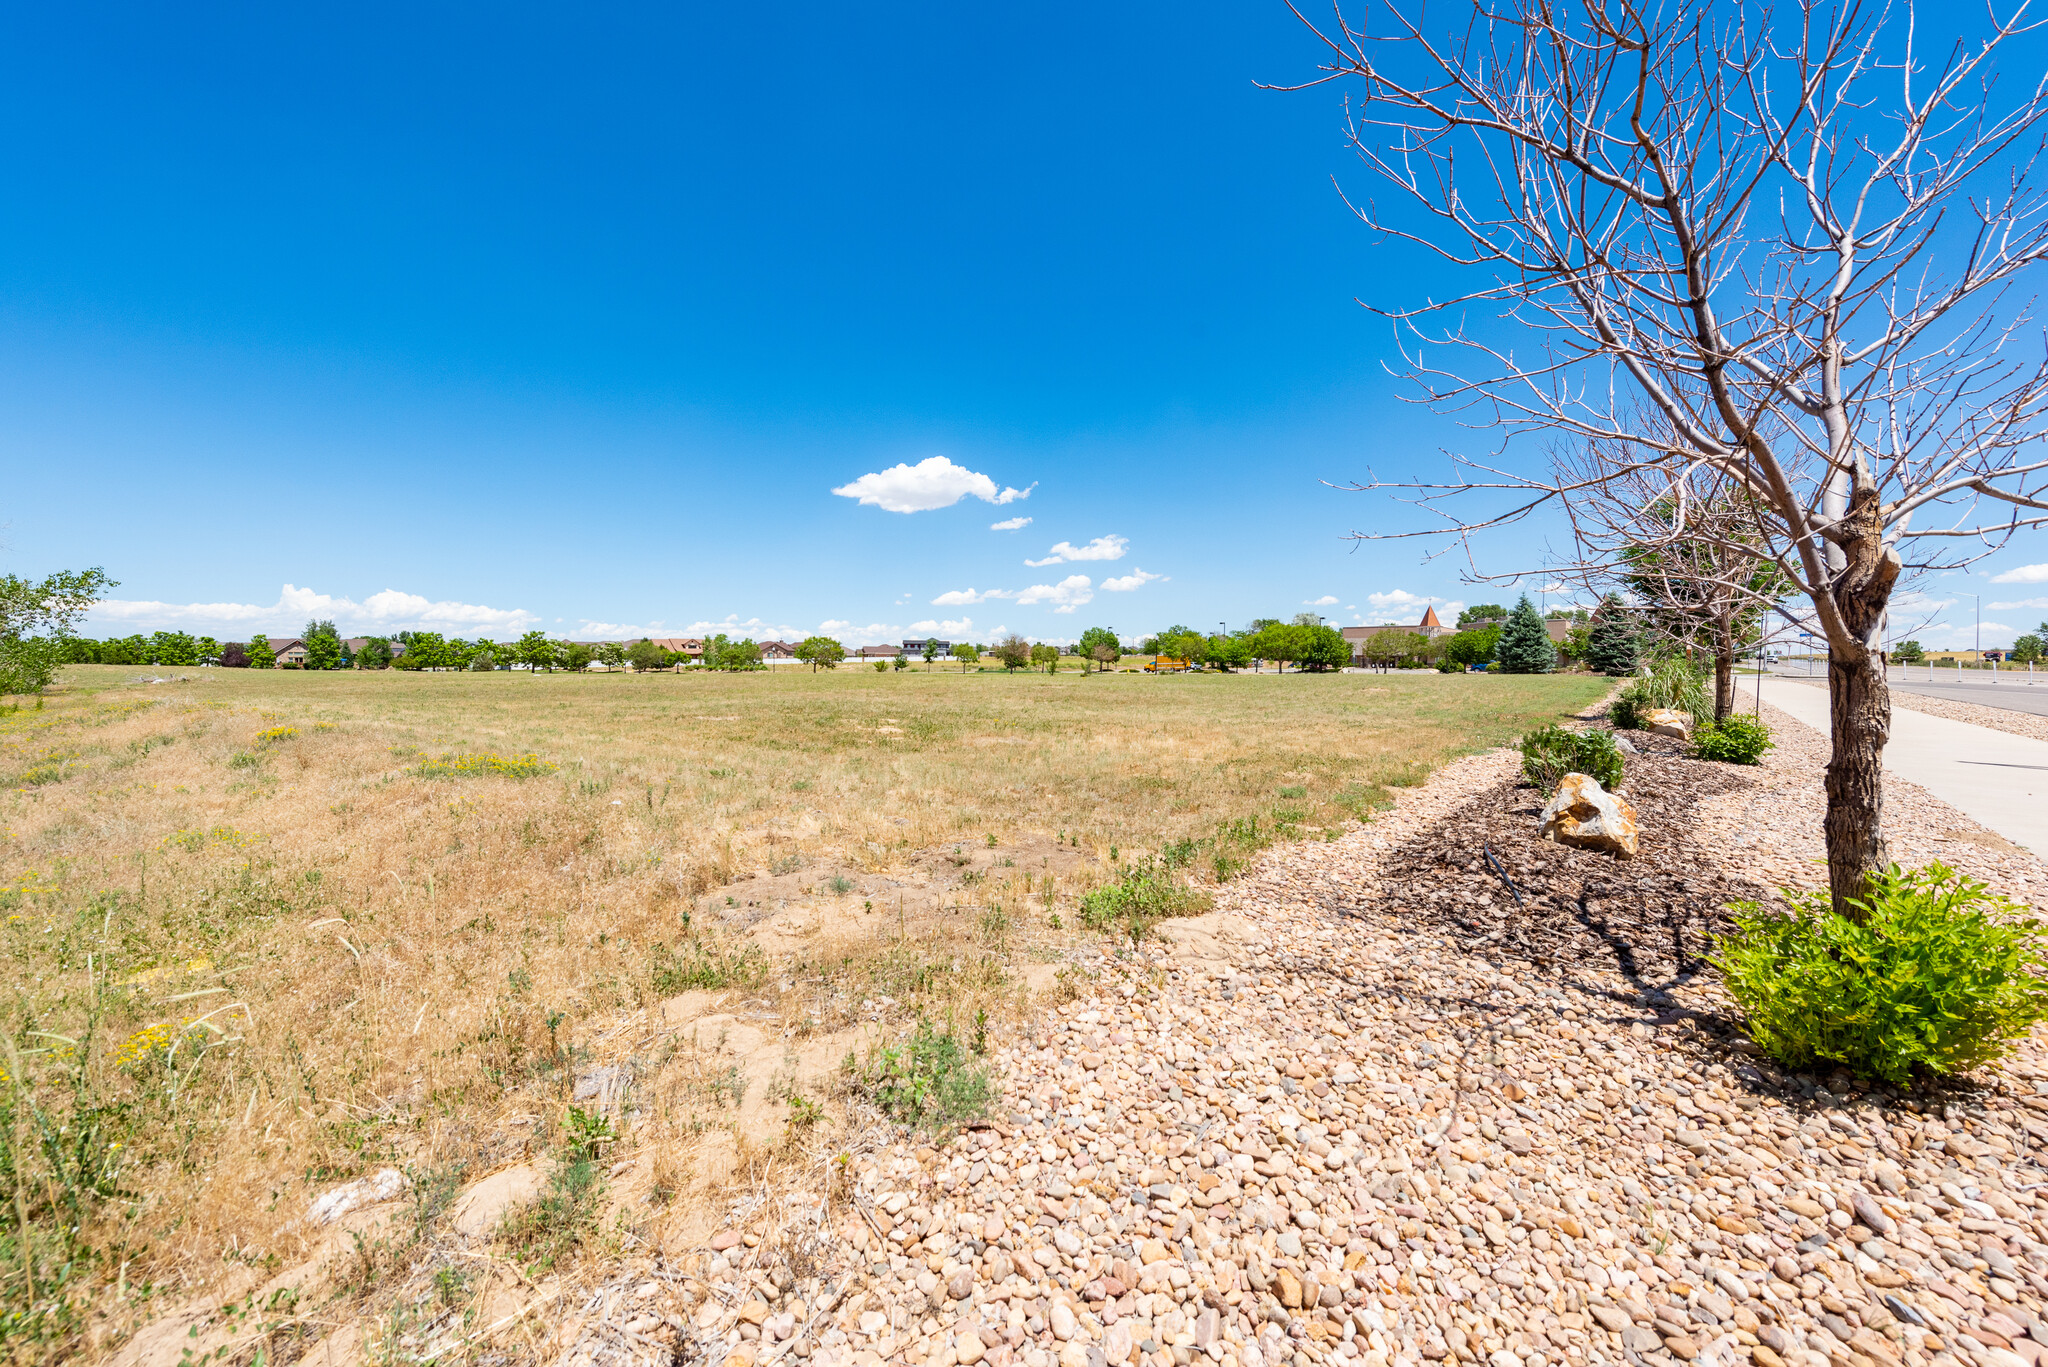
(1375,1109)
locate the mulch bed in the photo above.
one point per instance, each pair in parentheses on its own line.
(1483,877)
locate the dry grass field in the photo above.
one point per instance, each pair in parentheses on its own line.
(272,932)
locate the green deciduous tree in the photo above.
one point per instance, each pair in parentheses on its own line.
(1227,652)
(1100,646)
(645,656)
(820,652)
(536,651)
(1322,648)
(1483,612)
(1472,648)
(1047,654)
(35,615)
(574,655)
(2026,649)
(1612,648)
(375,653)
(1909,653)
(260,654)
(323,646)
(1013,652)
(966,654)
(1525,646)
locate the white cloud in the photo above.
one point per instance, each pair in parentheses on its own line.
(389,610)
(1068,594)
(1010,524)
(960,598)
(946,628)
(1125,583)
(732,625)
(1321,602)
(2025,574)
(874,633)
(2019,605)
(934,482)
(1110,547)
(1402,601)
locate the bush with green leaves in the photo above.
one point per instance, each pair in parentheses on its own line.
(1939,975)
(1143,893)
(1671,682)
(1548,755)
(1738,740)
(928,1081)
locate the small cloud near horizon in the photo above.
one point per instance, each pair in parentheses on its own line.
(1325,601)
(2025,574)
(1135,579)
(1010,524)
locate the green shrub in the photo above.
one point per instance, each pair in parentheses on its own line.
(1942,975)
(927,1082)
(1739,740)
(697,964)
(1141,895)
(555,1224)
(1671,682)
(1548,755)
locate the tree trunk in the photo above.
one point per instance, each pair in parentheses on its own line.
(1860,712)
(1724,682)
(1859,709)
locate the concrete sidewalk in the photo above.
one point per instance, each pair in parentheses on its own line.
(1999,780)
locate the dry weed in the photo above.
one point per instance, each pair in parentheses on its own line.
(274,932)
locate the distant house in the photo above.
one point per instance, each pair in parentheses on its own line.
(777,650)
(878,652)
(1429,628)
(288,650)
(917,647)
(1559,628)
(691,647)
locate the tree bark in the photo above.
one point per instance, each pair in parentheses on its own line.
(1859,709)
(1724,682)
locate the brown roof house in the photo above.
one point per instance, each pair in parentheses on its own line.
(691,646)
(289,650)
(1429,628)
(878,652)
(777,650)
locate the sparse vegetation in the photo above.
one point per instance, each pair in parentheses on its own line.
(394,938)
(927,1081)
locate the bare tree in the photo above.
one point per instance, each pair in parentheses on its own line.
(1691,553)
(1786,236)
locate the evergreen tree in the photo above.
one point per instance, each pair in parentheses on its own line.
(1613,648)
(1525,646)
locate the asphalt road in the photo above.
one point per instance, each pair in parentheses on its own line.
(2012,691)
(1999,779)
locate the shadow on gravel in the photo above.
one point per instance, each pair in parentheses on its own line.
(1483,878)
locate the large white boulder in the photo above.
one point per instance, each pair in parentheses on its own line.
(1586,816)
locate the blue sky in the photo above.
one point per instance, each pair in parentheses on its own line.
(485,318)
